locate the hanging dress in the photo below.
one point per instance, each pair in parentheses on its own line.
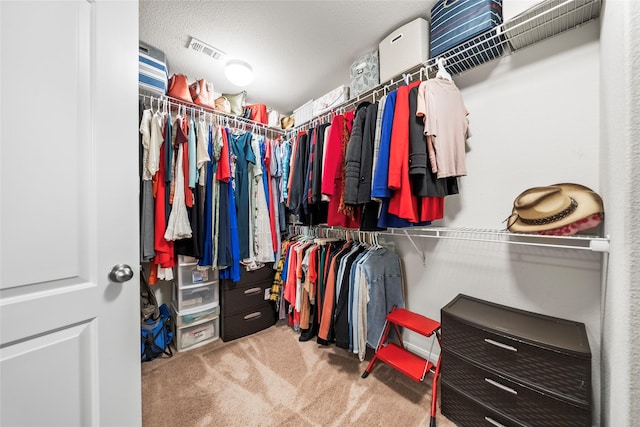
(262,241)
(164,249)
(241,148)
(231,237)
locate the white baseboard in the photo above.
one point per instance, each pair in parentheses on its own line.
(424,352)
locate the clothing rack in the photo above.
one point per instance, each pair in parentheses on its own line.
(166,103)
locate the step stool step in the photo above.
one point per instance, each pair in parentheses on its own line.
(413,366)
(413,321)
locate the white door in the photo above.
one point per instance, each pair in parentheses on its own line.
(69,343)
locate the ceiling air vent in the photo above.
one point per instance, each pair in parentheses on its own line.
(206,49)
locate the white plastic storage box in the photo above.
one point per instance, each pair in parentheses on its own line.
(404,48)
(303,114)
(330,100)
(196,296)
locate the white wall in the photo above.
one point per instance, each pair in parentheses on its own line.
(535,120)
(620,152)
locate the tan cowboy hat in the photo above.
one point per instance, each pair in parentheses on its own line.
(546,208)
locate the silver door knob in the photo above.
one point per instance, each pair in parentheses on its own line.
(121,273)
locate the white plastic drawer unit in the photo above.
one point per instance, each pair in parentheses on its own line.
(404,48)
(194,316)
(195,296)
(194,336)
(188,273)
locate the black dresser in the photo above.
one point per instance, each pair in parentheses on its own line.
(245,306)
(507,367)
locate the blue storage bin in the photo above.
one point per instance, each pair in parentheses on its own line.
(455,21)
(152,69)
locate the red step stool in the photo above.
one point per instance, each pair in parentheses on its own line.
(410,364)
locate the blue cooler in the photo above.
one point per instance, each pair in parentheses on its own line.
(454,22)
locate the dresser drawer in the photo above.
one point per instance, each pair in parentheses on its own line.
(247,277)
(564,375)
(238,298)
(522,403)
(247,322)
(467,412)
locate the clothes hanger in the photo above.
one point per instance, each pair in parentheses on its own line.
(442,72)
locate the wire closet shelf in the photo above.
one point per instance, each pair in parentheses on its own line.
(543,21)
(576,242)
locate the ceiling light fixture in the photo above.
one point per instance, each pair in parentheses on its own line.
(238,72)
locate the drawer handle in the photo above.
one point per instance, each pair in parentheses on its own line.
(494,422)
(499,344)
(396,38)
(252,291)
(500,386)
(253,316)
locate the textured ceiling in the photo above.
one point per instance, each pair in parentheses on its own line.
(299,50)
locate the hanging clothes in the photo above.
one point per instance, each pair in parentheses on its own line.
(178,226)
(380,188)
(402,203)
(353,157)
(339,290)
(341,323)
(230,233)
(164,249)
(207,174)
(147,251)
(383,273)
(242,156)
(300,159)
(274,173)
(261,228)
(446,124)
(424,180)
(377,137)
(334,173)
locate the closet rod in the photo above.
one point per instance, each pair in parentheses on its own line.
(223,117)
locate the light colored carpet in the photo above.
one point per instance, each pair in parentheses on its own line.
(271,379)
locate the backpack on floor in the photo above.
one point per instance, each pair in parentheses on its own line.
(148,303)
(156,335)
